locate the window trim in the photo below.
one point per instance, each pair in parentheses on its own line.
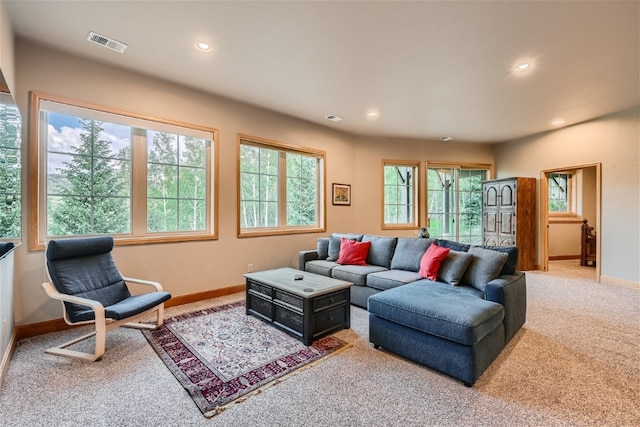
(5,90)
(322,192)
(452,165)
(417,195)
(571,215)
(37,185)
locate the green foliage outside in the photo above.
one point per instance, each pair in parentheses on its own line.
(398,194)
(91,192)
(260,176)
(455,194)
(10,169)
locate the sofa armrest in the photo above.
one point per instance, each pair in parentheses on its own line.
(304,256)
(510,290)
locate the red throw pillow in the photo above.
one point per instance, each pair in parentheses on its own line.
(431,261)
(353,252)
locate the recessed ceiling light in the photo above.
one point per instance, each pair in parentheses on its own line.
(204,47)
(523,66)
(333,118)
(557,122)
(446,138)
(373,114)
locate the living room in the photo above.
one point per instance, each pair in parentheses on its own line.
(203,268)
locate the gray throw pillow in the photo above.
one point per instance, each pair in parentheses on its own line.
(485,266)
(323,248)
(454,266)
(333,251)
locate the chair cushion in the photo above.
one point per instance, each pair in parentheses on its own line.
(455,313)
(84,268)
(128,307)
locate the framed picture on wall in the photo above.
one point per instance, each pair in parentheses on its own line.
(341,194)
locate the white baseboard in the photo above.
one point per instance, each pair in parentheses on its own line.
(614,281)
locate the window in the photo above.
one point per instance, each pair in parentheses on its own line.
(10,169)
(104,172)
(400,193)
(281,188)
(454,201)
(560,193)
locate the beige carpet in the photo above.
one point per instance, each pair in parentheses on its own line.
(575,362)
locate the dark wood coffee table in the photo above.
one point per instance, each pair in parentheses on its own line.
(307,308)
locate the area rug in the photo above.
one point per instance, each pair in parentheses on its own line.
(221,355)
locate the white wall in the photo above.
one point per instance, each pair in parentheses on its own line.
(612,141)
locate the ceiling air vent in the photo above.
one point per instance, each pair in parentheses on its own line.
(333,118)
(106,42)
(446,138)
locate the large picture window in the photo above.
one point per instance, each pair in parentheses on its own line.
(454,201)
(281,188)
(105,172)
(10,169)
(400,192)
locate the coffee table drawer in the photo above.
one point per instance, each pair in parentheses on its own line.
(259,305)
(290,319)
(330,300)
(327,320)
(294,301)
(258,287)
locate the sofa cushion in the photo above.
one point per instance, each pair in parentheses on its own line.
(454,266)
(381,250)
(356,274)
(455,246)
(384,280)
(431,261)
(323,247)
(333,252)
(485,266)
(455,313)
(352,252)
(320,267)
(408,253)
(511,266)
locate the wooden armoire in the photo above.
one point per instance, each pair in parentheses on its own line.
(509,217)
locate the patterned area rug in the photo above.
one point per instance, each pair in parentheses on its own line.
(220,354)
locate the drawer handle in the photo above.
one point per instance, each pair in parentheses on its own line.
(331,318)
(331,300)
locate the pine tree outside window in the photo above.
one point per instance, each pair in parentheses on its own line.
(10,169)
(281,188)
(137,179)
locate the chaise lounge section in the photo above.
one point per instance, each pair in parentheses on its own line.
(456,324)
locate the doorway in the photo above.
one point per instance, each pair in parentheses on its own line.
(567,196)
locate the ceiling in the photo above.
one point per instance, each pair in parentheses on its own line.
(429,69)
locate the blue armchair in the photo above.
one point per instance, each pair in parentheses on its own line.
(85,278)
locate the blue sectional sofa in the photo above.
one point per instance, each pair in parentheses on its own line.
(457,324)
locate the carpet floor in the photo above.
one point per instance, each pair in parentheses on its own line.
(575,362)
